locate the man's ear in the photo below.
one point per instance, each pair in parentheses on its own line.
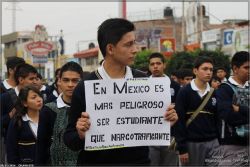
(25,104)
(20,80)
(194,71)
(164,65)
(110,49)
(11,71)
(59,80)
(234,69)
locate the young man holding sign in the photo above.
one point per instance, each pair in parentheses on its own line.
(116,40)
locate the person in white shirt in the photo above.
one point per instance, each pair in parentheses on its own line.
(22,131)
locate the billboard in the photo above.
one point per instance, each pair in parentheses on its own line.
(167,46)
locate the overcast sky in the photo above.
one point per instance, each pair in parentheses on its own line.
(79,20)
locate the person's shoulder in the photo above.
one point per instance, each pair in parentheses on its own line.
(48,110)
(5,95)
(227,86)
(91,76)
(138,73)
(186,88)
(2,88)
(174,84)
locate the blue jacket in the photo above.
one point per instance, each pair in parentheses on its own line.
(231,119)
(7,104)
(203,127)
(21,144)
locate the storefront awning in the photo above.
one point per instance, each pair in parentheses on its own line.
(87,53)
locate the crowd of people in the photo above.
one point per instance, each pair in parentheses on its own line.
(46,124)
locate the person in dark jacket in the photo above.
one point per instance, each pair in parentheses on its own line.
(11,64)
(22,131)
(53,121)
(233,108)
(198,142)
(116,39)
(25,75)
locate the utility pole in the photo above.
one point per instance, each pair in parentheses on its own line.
(122,9)
(183,26)
(197,22)
(201,24)
(14,9)
(13,16)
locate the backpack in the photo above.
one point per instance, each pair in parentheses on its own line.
(60,154)
(240,98)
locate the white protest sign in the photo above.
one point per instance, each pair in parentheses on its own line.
(127,112)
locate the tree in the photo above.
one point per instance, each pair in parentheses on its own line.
(141,60)
(180,60)
(185,60)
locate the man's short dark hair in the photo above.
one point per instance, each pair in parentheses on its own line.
(57,71)
(185,72)
(12,62)
(214,77)
(71,66)
(157,55)
(239,58)
(39,76)
(23,70)
(111,31)
(220,68)
(202,59)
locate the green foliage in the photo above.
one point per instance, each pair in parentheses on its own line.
(185,60)
(141,60)
(180,60)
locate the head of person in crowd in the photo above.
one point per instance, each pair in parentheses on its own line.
(29,102)
(11,64)
(174,75)
(240,67)
(57,73)
(156,64)
(25,74)
(56,84)
(221,73)
(70,75)
(116,39)
(215,82)
(203,69)
(39,81)
(185,76)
